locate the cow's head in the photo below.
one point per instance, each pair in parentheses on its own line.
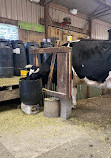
(33,72)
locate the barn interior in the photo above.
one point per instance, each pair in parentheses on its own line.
(37,26)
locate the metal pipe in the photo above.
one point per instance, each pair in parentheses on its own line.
(103,11)
(103,15)
(103,2)
(95,10)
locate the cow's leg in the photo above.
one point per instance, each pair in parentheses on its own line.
(74,92)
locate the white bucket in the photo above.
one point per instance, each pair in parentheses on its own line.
(30,109)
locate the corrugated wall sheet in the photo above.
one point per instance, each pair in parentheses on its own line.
(23,10)
(100,29)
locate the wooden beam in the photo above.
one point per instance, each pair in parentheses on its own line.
(54,94)
(46,21)
(51,50)
(8,21)
(8,95)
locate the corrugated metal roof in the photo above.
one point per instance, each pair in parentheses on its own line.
(89,6)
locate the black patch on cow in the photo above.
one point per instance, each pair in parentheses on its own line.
(92,59)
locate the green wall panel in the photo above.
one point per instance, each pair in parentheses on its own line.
(31,27)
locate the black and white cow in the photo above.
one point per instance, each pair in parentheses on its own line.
(91,64)
(42,71)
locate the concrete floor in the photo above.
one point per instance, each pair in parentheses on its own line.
(87,134)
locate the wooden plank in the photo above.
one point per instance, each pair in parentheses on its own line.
(8,21)
(23,35)
(51,50)
(49,85)
(62,73)
(8,95)
(54,94)
(9,81)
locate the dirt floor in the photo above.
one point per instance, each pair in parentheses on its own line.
(87,134)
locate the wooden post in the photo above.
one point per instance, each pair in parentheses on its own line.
(90,28)
(46,19)
(64,83)
(63,77)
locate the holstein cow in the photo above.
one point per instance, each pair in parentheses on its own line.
(91,64)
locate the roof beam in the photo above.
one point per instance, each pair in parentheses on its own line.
(106,2)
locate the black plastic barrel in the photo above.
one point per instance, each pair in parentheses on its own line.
(30,91)
(6,59)
(19,56)
(45,55)
(32,58)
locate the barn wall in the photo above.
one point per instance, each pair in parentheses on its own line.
(61,34)
(57,15)
(25,10)
(30,36)
(100,29)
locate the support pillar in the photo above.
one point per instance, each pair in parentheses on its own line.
(46,19)
(66,109)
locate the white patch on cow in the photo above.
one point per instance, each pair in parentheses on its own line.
(28,66)
(105,84)
(108,81)
(74,92)
(73,70)
(68,45)
(90,82)
(108,85)
(31,72)
(109,77)
(37,70)
(82,65)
